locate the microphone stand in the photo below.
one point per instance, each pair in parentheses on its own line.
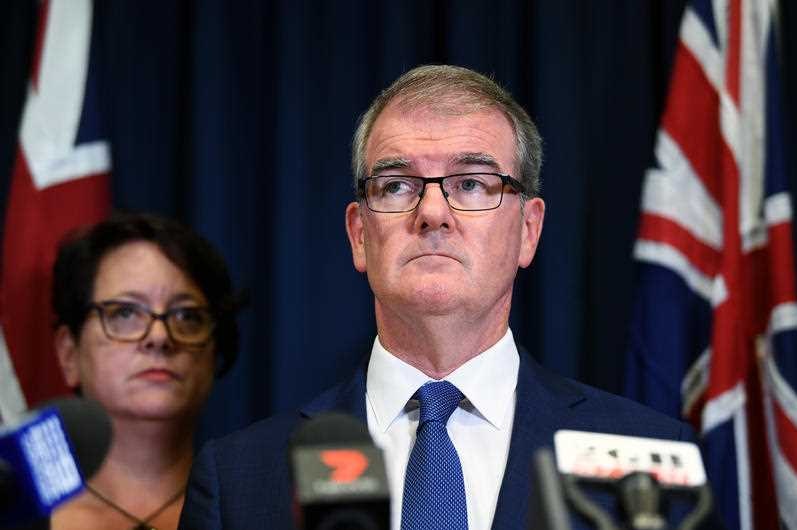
(640,495)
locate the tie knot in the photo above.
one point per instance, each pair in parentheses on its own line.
(438,400)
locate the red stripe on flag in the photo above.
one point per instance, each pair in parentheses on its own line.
(692,119)
(768,280)
(734,47)
(732,348)
(729,350)
(41,28)
(765,507)
(781,263)
(787,435)
(655,227)
(758,292)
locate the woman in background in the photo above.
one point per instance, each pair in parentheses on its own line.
(145,320)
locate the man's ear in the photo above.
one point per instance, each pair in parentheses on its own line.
(356,232)
(67,352)
(533,215)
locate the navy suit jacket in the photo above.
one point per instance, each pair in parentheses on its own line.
(242,482)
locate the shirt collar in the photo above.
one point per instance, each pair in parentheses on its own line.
(487,381)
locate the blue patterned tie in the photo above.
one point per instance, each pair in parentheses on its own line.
(434,490)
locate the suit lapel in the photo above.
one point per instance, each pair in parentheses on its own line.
(542,403)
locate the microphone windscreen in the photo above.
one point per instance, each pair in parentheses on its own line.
(331,428)
(338,475)
(88,427)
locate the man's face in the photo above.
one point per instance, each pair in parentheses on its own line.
(435,260)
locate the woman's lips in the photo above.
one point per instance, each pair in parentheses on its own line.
(157,375)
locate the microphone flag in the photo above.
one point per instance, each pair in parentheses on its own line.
(613,456)
(46,456)
(43,465)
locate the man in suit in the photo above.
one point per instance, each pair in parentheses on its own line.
(446,168)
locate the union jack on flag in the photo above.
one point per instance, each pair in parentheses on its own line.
(59,182)
(714,337)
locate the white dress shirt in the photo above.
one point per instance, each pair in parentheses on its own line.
(480,428)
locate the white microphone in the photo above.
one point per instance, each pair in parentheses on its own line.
(639,471)
(612,456)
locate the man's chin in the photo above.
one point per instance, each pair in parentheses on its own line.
(434,297)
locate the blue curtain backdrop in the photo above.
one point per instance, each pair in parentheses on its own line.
(236,117)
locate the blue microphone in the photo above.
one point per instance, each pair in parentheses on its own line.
(45,457)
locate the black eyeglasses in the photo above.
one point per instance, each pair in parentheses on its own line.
(131,322)
(464,191)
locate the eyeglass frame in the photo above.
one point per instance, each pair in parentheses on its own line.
(153,316)
(505,180)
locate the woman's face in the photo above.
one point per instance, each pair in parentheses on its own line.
(154,377)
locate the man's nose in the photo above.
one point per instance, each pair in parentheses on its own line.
(433,212)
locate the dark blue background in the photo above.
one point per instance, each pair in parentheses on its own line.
(236,117)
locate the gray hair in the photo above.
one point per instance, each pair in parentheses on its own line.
(453,90)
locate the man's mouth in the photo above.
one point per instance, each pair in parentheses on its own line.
(435,255)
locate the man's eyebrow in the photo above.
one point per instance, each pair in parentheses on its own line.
(384,164)
(475,159)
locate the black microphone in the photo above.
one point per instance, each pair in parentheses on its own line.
(46,456)
(548,510)
(338,476)
(640,472)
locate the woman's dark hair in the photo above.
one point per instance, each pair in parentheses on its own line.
(80,253)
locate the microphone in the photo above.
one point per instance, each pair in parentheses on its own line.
(45,457)
(338,476)
(641,472)
(548,505)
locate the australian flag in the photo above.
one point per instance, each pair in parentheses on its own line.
(60,181)
(715,325)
